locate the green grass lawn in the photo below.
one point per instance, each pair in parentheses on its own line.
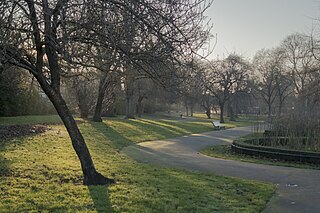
(30,119)
(41,173)
(225,152)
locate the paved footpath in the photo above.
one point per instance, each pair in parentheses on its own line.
(298,190)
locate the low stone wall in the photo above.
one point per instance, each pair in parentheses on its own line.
(270,152)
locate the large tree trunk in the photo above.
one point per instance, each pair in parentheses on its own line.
(91,176)
(52,90)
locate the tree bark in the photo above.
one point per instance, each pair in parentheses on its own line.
(91,176)
(98,108)
(101,94)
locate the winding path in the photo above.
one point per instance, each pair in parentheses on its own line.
(298,190)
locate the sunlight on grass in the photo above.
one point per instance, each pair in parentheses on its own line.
(42,173)
(138,130)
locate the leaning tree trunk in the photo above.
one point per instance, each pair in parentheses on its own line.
(91,176)
(52,89)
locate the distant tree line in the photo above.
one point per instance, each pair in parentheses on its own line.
(278,81)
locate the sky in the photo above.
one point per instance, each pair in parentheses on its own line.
(246,26)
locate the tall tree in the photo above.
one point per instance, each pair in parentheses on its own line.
(299,59)
(225,76)
(41,36)
(267,66)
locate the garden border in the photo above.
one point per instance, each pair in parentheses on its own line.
(280,154)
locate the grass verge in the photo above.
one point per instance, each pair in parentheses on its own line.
(42,173)
(30,119)
(225,152)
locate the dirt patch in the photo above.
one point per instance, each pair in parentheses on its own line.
(12,131)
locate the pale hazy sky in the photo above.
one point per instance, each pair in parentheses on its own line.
(245,26)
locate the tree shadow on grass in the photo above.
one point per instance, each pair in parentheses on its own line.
(168,127)
(5,168)
(115,139)
(100,198)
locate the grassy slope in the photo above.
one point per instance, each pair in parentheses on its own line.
(41,173)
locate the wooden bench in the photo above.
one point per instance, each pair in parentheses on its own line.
(218,125)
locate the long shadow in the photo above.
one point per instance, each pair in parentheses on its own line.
(118,141)
(5,169)
(170,182)
(5,164)
(115,139)
(152,127)
(174,131)
(100,198)
(186,124)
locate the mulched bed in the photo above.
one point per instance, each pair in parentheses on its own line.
(12,131)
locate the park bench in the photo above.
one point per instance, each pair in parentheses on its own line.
(218,125)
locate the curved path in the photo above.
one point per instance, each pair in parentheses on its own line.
(298,190)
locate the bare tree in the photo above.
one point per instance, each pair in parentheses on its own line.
(299,59)
(224,77)
(36,49)
(284,85)
(267,66)
(41,36)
